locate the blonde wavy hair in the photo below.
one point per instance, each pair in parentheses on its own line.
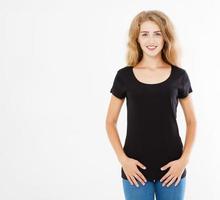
(171,50)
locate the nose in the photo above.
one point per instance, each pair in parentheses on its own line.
(151,40)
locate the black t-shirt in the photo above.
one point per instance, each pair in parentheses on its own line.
(152,131)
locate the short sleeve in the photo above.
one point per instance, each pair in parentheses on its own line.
(118,88)
(184,86)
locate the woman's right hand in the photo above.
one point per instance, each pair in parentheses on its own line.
(129,166)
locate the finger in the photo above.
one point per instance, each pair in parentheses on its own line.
(178,180)
(139,179)
(167,180)
(129,179)
(141,165)
(142,176)
(134,181)
(165,166)
(171,182)
(165,176)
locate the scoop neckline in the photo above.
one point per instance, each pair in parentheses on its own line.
(151,84)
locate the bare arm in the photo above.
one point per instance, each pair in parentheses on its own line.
(111,126)
(129,164)
(190,119)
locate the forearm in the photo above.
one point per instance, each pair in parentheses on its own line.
(115,141)
(189,141)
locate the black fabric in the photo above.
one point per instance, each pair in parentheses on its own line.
(152,131)
(119,86)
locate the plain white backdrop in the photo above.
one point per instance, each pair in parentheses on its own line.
(57,64)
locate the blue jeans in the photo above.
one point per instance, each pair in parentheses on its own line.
(151,188)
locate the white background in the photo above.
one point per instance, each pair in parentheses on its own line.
(57,64)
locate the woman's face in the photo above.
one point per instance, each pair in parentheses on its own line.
(150,38)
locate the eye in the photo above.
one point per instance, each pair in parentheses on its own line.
(144,34)
(157,34)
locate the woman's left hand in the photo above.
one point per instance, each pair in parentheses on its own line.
(175,172)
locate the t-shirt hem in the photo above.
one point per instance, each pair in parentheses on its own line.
(154,178)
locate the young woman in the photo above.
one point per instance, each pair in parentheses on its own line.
(153,159)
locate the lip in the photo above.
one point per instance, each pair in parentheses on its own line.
(151,48)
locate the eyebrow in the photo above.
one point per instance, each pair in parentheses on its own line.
(148,31)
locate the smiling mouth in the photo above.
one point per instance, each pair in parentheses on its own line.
(151,47)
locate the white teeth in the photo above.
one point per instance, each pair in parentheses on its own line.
(151,47)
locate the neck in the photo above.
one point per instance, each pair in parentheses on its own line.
(152,62)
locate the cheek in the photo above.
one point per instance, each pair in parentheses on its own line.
(160,42)
(142,41)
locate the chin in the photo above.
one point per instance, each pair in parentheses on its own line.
(152,54)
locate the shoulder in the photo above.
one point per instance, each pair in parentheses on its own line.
(123,72)
(180,72)
(182,77)
(124,69)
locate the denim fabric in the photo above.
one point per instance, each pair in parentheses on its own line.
(154,190)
